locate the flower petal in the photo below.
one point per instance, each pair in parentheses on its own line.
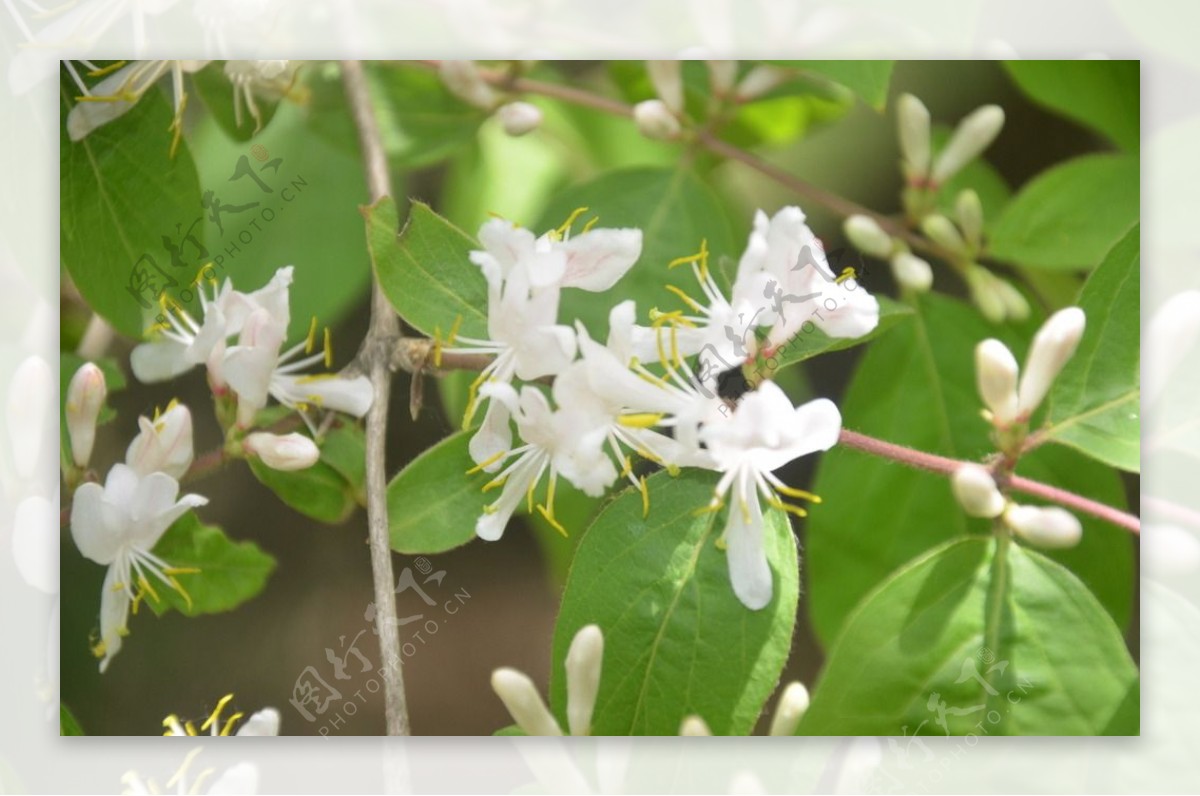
(524,704)
(597,259)
(493,437)
(159,360)
(94,537)
(583,664)
(749,571)
(264,722)
(114,615)
(352,396)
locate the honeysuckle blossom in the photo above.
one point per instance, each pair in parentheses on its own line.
(976,491)
(121,89)
(263,722)
(583,663)
(163,444)
(85,398)
(762,434)
(282,451)
(268,79)
(1051,527)
(117,525)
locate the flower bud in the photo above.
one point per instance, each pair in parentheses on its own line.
(85,398)
(519,118)
(1052,346)
(1049,526)
(1016,306)
(912,122)
(694,726)
(942,231)
(996,375)
(759,81)
(583,678)
(982,285)
(667,77)
(969,211)
(721,76)
(282,451)
(654,120)
(867,236)
(791,708)
(911,272)
(976,491)
(972,136)
(164,444)
(463,80)
(523,702)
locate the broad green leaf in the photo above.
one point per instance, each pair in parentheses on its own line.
(425,270)
(811,341)
(216,91)
(1104,95)
(230,573)
(1094,402)
(324,491)
(1071,215)
(676,640)
(675,210)
(433,503)
(122,196)
(114,381)
(977,631)
(344,449)
(288,199)
(916,386)
(868,79)
(420,122)
(67,724)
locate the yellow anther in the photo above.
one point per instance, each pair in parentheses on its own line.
(672,470)
(648,456)
(555,524)
(472,400)
(494,483)
(328,347)
(658,342)
(627,467)
(216,714)
(675,357)
(721,544)
(167,722)
(99,648)
(104,70)
(847,273)
(801,494)
(593,221)
(228,728)
(311,340)
(312,377)
(645,496)
(488,462)
(565,226)
(146,587)
(788,507)
(711,508)
(640,420)
(688,300)
(454,330)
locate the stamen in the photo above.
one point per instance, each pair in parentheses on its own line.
(640,420)
(311,340)
(645,496)
(788,507)
(102,71)
(711,508)
(488,462)
(555,524)
(591,223)
(328,348)
(565,227)
(473,399)
(691,302)
(216,714)
(847,273)
(228,728)
(801,494)
(495,482)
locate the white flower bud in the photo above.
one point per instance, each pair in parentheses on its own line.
(29,394)
(996,374)
(282,451)
(942,231)
(164,444)
(654,120)
(1016,306)
(791,708)
(1049,526)
(667,77)
(969,211)
(85,399)
(984,293)
(759,81)
(1052,346)
(721,76)
(976,491)
(912,121)
(523,702)
(867,236)
(972,136)
(583,678)
(463,80)
(911,272)
(519,118)
(694,726)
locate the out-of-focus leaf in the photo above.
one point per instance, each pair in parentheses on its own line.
(66,722)
(1101,94)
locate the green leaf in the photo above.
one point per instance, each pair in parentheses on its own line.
(1094,402)
(330,490)
(114,381)
(916,386)
(1070,216)
(809,343)
(988,632)
(67,723)
(868,79)
(675,210)
(420,122)
(122,194)
(425,271)
(1103,95)
(216,91)
(344,448)
(230,573)
(432,503)
(676,640)
(303,214)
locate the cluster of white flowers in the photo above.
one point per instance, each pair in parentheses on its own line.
(607,403)
(1011,397)
(262,723)
(118,524)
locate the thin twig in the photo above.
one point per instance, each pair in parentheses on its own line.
(375,358)
(946,466)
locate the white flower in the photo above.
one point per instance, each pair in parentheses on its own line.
(282,451)
(1052,346)
(119,91)
(269,79)
(583,664)
(1045,526)
(117,526)
(976,491)
(264,722)
(163,444)
(996,372)
(85,398)
(764,433)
